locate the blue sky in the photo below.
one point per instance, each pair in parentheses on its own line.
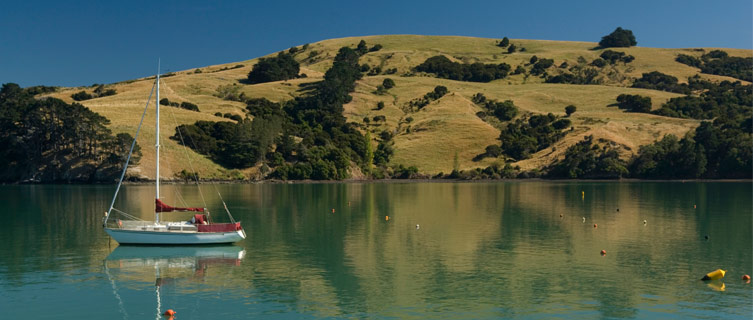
(84,42)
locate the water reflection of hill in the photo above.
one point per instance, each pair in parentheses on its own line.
(483,250)
(493,249)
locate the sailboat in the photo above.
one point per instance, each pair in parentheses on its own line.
(198,230)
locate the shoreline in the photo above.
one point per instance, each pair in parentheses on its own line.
(175,182)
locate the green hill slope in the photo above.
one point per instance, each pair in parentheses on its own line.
(429,138)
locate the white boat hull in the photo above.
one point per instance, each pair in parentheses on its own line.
(174,238)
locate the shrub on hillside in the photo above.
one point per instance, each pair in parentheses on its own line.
(659,81)
(615,56)
(634,103)
(570,110)
(189,106)
(81,96)
(388,83)
(476,72)
(689,60)
(504,43)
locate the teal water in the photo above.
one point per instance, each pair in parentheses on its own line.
(482,250)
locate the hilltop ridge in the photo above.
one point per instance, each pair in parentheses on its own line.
(447,128)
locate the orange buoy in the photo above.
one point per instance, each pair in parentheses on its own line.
(596,225)
(603,252)
(694,207)
(333,210)
(386,218)
(170,313)
(746,277)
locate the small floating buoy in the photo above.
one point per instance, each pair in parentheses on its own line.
(417,226)
(582,194)
(386,218)
(645,222)
(706,237)
(333,210)
(603,252)
(694,207)
(618,209)
(170,313)
(596,226)
(714,275)
(746,278)
(584,219)
(561,215)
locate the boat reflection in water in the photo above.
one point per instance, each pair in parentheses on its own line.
(130,267)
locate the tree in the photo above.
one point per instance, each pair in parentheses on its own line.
(570,110)
(618,38)
(388,83)
(362,49)
(634,103)
(533,59)
(282,67)
(511,48)
(504,43)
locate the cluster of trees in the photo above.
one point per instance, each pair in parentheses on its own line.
(442,67)
(540,65)
(306,138)
(438,92)
(720,63)
(718,149)
(183,105)
(714,150)
(618,38)
(615,56)
(49,140)
(387,84)
(727,99)
(99,91)
(281,67)
(634,103)
(524,137)
(659,81)
(503,111)
(587,160)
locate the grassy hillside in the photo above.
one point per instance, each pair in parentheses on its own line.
(439,131)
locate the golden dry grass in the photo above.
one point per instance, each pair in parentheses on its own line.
(438,131)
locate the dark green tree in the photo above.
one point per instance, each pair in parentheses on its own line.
(634,103)
(281,67)
(618,38)
(504,43)
(570,110)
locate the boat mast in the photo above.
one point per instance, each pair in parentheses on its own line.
(156,214)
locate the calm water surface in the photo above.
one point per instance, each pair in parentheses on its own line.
(483,250)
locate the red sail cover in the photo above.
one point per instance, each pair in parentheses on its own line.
(220,227)
(162,207)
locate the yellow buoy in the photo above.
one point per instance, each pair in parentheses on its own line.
(714,275)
